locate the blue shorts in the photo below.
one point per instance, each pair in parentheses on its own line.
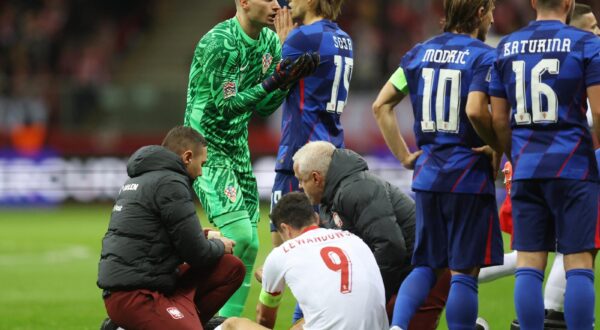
(285,182)
(555,215)
(459,231)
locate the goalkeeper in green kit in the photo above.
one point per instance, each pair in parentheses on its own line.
(237,71)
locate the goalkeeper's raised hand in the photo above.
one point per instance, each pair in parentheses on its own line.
(288,72)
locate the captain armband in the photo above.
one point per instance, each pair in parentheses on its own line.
(398,79)
(271,300)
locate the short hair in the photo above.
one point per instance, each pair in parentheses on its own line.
(293,209)
(182,138)
(549,4)
(314,156)
(330,9)
(580,10)
(463,15)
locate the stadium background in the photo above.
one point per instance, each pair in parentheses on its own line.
(83,84)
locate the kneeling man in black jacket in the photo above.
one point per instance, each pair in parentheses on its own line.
(157,269)
(353,199)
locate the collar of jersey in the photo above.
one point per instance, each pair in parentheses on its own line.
(309,228)
(246,37)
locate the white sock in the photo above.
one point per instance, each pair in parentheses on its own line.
(489,274)
(219,327)
(554,292)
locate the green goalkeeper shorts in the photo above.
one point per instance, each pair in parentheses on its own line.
(223,190)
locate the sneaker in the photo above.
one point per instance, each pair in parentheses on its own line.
(554,320)
(481,324)
(214,322)
(514,325)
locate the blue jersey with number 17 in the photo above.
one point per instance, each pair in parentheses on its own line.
(313,107)
(543,71)
(440,73)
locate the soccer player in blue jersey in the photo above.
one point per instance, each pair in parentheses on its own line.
(540,81)
(457,217)
(313,107)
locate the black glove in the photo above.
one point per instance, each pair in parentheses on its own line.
(287,73)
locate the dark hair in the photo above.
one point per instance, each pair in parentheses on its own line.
(580,10)
(293,209)
(330,9)
(182,138)
(463,15)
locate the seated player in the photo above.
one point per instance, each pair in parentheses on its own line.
(332,274)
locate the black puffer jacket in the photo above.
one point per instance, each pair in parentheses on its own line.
(154,227)
(362,203)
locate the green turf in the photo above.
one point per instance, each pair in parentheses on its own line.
(48,260)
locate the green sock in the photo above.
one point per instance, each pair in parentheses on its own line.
(245,236)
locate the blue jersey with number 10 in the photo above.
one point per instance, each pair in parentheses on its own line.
(543,70)
(440,73)
(313,107)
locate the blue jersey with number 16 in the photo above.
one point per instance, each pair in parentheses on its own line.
(313,107)
(440,73)
(543,71)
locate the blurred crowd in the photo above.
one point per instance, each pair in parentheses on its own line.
(46,45)
(58,51)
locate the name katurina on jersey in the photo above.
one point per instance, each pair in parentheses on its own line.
(445,56)
(562,45)
(287,246)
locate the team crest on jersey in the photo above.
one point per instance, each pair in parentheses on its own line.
(231,193)
(175,313)
(337,220)
(266,62)
(229,89)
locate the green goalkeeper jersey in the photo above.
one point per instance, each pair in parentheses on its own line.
(225,89)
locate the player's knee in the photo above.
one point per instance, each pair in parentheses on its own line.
(252,249)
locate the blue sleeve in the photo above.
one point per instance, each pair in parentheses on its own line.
(496,87)
(592,60)
(598,156)
(298,43)
(482,73)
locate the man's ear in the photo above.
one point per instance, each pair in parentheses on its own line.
(244,3)
(187,157)
(317,177)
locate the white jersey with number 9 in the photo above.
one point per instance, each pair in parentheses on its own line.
(333,275)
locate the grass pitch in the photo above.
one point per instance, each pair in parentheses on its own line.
(48,268)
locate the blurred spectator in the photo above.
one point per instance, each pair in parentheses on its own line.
(47,44)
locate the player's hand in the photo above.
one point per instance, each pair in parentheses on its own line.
(494,157)
(409,161)
(284,24)
(229,244)
(258,274)
(288,72)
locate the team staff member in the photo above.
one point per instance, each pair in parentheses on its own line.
(157,269)
(353,199)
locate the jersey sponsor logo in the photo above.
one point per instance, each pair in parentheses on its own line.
(337,220)
(229,89)
(175,313)
(231,193)
(266,62)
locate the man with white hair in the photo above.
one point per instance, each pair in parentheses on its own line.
(351,198)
